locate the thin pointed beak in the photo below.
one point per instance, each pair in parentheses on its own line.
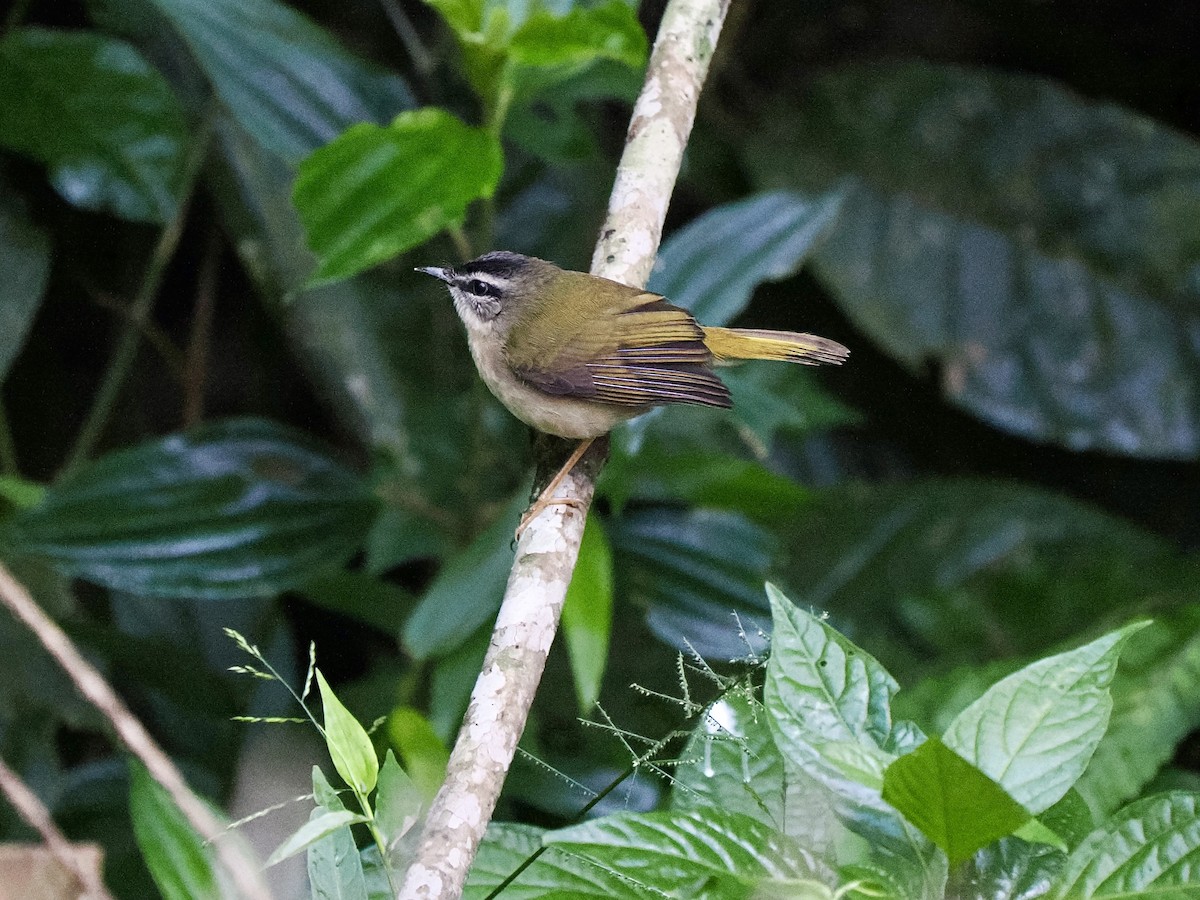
(436,271)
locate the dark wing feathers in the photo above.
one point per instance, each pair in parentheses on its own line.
(641,354)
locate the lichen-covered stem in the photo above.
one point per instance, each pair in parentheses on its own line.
(546,553)
(658,134)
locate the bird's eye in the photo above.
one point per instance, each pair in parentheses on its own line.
(480,288)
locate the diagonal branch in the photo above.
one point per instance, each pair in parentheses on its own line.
(243,872)
(34,812)
(546,553)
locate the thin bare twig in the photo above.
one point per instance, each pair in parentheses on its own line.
(195,366)
(245,873)
(151,333)
(546,553)
(127,344)
(31,809)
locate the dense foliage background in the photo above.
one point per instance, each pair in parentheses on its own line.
(204,424)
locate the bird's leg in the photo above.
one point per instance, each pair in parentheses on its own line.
(547,498)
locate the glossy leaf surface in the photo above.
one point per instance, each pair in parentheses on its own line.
(238,508)
(731,762)
(505,847)
(1150,848)
(713,264)
(669,851)
(912,568)
(1035,731)
(1040,249)
(104,122)
(284,79)
(1156,704)
(700,574)
(377,191)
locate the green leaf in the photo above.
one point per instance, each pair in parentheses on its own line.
(238,508)
(1069,819)
(828,705)
(585,34)
(324,793)
(467,591)
(284,79)
(768,398)
(825,696)
(322,824)
(349,745)
(452,681)
(712,265)
(20,492)
(25,262)
(587,614)
(424,754)
(670,852)
(335,870)
(1150,848)
(179,861)
(465,17)
(102,120)
(954,804)
(1010,869)
(399,801)
(714,480)
(731,763)
(1156,704)
(377,191)
(979,204)
(377,874)
(505,847)
(700,575)
(913,568)
(1035,731)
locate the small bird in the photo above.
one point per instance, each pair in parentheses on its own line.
(574,355)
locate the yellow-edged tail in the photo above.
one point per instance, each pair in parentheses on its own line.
(730,344)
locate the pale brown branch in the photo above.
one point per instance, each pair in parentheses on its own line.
(244,872)
(31,809)
(547,550)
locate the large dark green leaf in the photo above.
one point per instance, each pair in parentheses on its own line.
(1040,248)
(104,122)
(712,265)
(380,190)
(699,573)
(285,80)
(913,569)
(235,509)
(25,262)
